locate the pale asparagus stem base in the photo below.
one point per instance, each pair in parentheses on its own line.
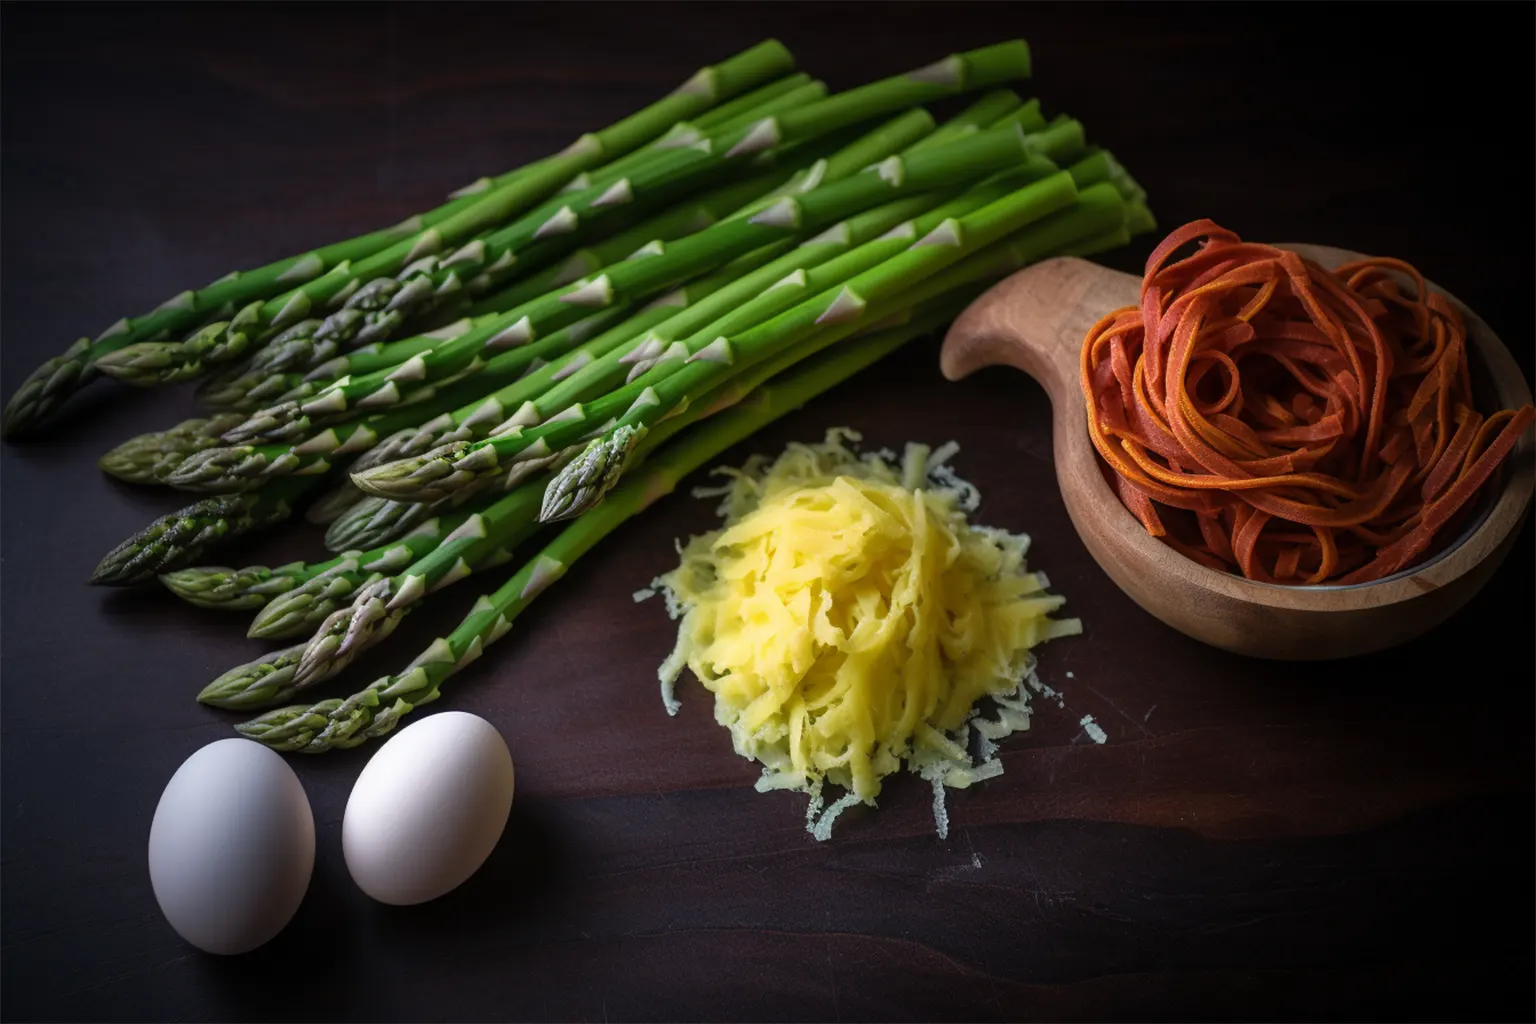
(375,711)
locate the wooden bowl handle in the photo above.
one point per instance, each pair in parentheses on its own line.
(1035,321)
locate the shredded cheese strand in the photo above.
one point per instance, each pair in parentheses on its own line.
(848,619)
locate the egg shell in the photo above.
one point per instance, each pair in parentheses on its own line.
(231,847)
(428,808)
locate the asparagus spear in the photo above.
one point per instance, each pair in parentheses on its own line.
(680,167)
(59,377)
(227,589)
(839,165)
(460,465)
(375,711)
(225,340)
(813,324)
(484,538)
(942,166)
(254,683)
(364,320)
(374,521)
(244,466)
(649,181)
(787,281)
(301,586)
(609,352)
(269,374)
(149,458)
(174,540)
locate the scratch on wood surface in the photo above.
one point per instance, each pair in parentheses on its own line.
(1116,709)
(837,1009)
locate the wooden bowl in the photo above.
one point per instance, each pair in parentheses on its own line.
(1036,321)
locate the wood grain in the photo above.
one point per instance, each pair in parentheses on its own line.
(1349,840)
(1036,320)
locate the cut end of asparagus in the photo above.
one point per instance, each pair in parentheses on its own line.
(583,482)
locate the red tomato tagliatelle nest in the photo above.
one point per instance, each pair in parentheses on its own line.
(1266,416)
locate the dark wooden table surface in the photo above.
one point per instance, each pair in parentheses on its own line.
(1254,839)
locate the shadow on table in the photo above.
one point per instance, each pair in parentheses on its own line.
(320,967)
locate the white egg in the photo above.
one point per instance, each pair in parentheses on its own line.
(428,809)
(232,847)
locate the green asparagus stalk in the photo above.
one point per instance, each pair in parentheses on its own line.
(224,588)
(375,711)
(580,262)
(646,182)
(794,277)
(453,467)
(303,607)
(238,467)
(942,166)
(813,324)
(484,538)
(314,342)
(247,387)
(269,375)
(59,377)
(301,586)
(150,458)
(346,281)
(175,540)
(627,347)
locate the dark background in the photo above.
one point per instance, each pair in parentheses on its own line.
(1255,840)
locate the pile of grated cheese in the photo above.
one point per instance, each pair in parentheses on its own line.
(848,619)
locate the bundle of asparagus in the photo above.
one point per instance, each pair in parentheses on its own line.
(588,330)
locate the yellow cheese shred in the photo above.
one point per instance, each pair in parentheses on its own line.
(848,619)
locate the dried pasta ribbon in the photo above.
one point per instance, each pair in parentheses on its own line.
(1265,416)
